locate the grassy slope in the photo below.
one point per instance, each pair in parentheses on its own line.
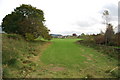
(77,60)
(19,56)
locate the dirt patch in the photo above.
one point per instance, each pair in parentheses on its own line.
(57,69)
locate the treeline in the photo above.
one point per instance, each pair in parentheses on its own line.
(109,38)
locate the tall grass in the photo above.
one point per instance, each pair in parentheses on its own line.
(16,53)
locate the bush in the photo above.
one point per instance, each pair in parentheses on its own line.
(29,37)
(99,39)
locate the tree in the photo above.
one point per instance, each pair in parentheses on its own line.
(26,20)
(82,34)
(101,32)
(109,34)
(109,28)
(74,34)
(106,17)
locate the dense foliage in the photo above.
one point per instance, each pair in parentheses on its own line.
(26,21)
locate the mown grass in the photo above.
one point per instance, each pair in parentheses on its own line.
(78,60)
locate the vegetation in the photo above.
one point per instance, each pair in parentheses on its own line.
(69,59)
(77,61)
(17,55)
(27,21)
(26,55)
(111,51)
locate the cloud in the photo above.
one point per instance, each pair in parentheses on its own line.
(87,22)
(84,23)
(67,16)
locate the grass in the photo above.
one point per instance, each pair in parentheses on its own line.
(17,55)
(108,50)
(78,59)
(60,58)
(62,52)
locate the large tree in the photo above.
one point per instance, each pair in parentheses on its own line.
(26,20)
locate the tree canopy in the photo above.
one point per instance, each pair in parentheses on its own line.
(26,20)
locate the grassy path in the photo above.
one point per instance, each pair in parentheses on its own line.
(63,51)
(59,58)
(77,60)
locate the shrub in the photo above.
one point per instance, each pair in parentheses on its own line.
(99,39)
(29,37)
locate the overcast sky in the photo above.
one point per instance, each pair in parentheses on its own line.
(68,16)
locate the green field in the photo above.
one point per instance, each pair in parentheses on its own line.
(58,58)
(77,60)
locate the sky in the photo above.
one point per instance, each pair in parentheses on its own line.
(69,16)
